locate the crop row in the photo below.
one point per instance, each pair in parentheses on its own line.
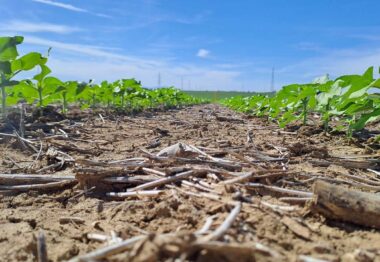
(44,89)
(350,99)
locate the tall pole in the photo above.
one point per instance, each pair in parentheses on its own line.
(181,82)
(159,79)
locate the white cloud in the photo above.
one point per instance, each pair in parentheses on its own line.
(370,37)
(71,61)
(82,62)
(30,27)
(203,53)
(334,62)
(309,46)
(93,51)
(62,5)
(69,7)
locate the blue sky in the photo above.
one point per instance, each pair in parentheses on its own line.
(210,44)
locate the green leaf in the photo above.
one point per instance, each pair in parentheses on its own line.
(28,61)
(366,118)
(52,82)
(9,83)
(44,72)
(363,91)
(5,68)
(368,74)
(60,89)
(8,49)
(321,80)
(80,88)
(27,91)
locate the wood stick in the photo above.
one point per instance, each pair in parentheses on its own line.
(108,250)
(84,192)
(198,187)
(26,142)
(97,237)
(222,229)
(341,181)
(38,155)
(377,173)
(150,171)
(241,178)
(41,248)
(227,166)
(50,186)
(132,180)
(12,179)
(52,166)
(280,190)
(295,200)
(346,163)
(135,159)
(168,180)
(278,208)
(76,220)
(238,249)
(75,148)
(361,179)
(14,162)
(251,175)
(303,258)
(340,203)
(146,193)
(101,118)
(19,137)
(219,160)
(206,226)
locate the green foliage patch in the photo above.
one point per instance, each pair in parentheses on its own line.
(44,89)
(347,98)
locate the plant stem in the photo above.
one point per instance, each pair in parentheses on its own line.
(3,101)
(92,101)
(64,104)
(122,100)
(326,117)
(326,124)
(350,129)
(40,95)
(304,108)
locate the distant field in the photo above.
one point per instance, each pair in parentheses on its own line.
(217,95)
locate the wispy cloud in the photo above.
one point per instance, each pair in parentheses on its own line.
(69,7)
(62,5)
(334,62)
(203,53)
(309,46)
(104,64)
(30,27)
(90,50)
(370,37)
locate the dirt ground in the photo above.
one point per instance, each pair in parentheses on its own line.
(271,227)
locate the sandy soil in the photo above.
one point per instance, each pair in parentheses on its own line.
(293,235)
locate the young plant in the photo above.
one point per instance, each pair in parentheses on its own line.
(10,65)
(67,91)
(42,87)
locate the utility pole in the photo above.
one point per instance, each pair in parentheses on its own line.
(159,79)
(181,82)
(272,81)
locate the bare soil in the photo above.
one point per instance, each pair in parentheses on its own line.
(273,228)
